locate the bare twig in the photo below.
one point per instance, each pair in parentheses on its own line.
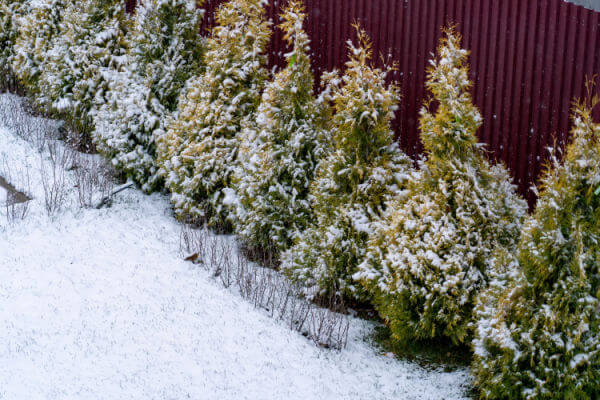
(265,288)
(53,174)
(106,199)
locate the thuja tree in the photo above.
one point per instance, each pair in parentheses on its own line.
(36,30)
(126,125)
(165,49)
(198,155)
(353,183)
(10,11)
(282,150)
(539,330)
(429,257)
(93,37)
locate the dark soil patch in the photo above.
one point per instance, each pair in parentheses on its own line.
(14,196)
(429,354)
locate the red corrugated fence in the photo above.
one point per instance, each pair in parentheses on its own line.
(529,60)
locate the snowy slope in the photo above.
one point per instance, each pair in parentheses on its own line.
(97,304)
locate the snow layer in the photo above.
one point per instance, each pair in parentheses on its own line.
(97,304)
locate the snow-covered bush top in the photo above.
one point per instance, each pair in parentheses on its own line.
(93,37)
(354,182)
(126,126)
(428,258)
(198,155)
(539,331)
(165,49)
(36,31)
(281,151)
(449,124)
(166,46)
(10,12)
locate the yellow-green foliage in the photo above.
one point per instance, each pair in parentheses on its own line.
(37,28)
(428,258)
(282,150)
(538,336)
(198,155)
(10,12)
(353,183)
(92,43)
(166,47)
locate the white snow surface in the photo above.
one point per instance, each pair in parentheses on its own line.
(3,196)
(98,304)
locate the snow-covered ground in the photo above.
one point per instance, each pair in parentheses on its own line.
(3,196)
(97,304)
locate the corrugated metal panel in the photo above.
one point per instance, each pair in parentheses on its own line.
(130,5)
(529,60)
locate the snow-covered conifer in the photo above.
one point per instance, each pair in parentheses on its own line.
(165,49)
(37,29)
(353,183)
(10,11)
(282,150)
(538,336)
(199,152)
(429,256)
(166,46)
(126,126)
(93,37)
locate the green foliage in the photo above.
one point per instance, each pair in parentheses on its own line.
(10,12)
(92,40)
(538,336)
(165,49)
(428,258)
(353,183)
(282,150)
(126,126)
(37,30)
(198,155)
